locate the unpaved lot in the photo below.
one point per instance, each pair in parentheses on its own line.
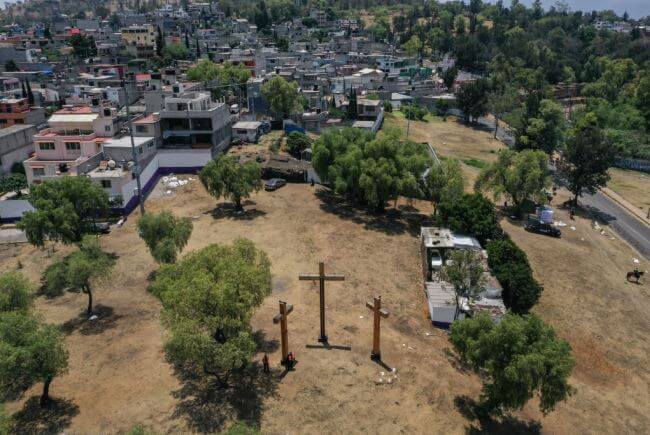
(118,375)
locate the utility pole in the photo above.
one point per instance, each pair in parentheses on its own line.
(136,166)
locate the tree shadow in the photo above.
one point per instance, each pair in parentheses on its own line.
(392,222)
(226,210)
(262,344)
(106,319)
(54,418)
(482,424)
(209,406)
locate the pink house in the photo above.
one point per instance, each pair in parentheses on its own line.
(73,143)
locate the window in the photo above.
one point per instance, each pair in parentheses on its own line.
(38,172)
(72,146)
(150,144)
(46,146)
(141,128)
(106,184)
(107,128)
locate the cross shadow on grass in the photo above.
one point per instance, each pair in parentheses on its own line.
(54,418)
(208,407)
(482,424)
(392,222)
(227,210)
(106,319)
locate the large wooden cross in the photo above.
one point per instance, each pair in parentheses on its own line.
(321,277)
(284,335)
(378,313)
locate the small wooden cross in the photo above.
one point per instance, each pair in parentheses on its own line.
(281,318)
(321,277)
(378,313)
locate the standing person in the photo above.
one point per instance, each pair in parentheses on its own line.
(265,363)
(290,361)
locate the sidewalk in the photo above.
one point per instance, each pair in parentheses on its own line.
(634,211)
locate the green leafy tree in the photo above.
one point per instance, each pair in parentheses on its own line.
(15,292)
(643,98)
(509,264)
(282,97)
(368,169)
(176,51)
(13,183)
(31,352)
(83,46)
(223,79)
(449,76)
(413,46)
(352,105)
(501,101)
(66,210)
(519,357)
(298,142)
(445,183)
(164,234)
(11,66)
(464,271)
(546,130)
(84,268)
(586,157)
(160,41)
(208,299)
(472,99)
(226,177)
(518,176)
(472,214)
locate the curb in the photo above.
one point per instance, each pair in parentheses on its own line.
(626,206)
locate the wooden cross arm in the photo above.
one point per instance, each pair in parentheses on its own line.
(277,318)
(383,313)
(311,277)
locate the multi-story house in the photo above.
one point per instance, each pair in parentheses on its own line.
(10,87)
(140,40)
(16,111)
(192,121)
(73,143)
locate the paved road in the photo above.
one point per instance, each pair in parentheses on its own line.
(631,229)
(635,232)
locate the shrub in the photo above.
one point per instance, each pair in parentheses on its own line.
(510,266)
(55,279)
(414,112)
(297,142)
(472,214)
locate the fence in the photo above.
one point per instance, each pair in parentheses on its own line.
(635,164)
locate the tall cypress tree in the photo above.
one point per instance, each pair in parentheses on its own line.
(352,104)
(30,95)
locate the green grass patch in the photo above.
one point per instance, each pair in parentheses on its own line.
(475,163)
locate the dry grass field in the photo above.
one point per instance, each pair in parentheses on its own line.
(119,378)
(634,186)
(118,375)
(474,147)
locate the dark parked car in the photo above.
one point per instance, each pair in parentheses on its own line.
(535,226)
(102,227)
(274,183)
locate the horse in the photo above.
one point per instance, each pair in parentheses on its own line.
(636,274)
